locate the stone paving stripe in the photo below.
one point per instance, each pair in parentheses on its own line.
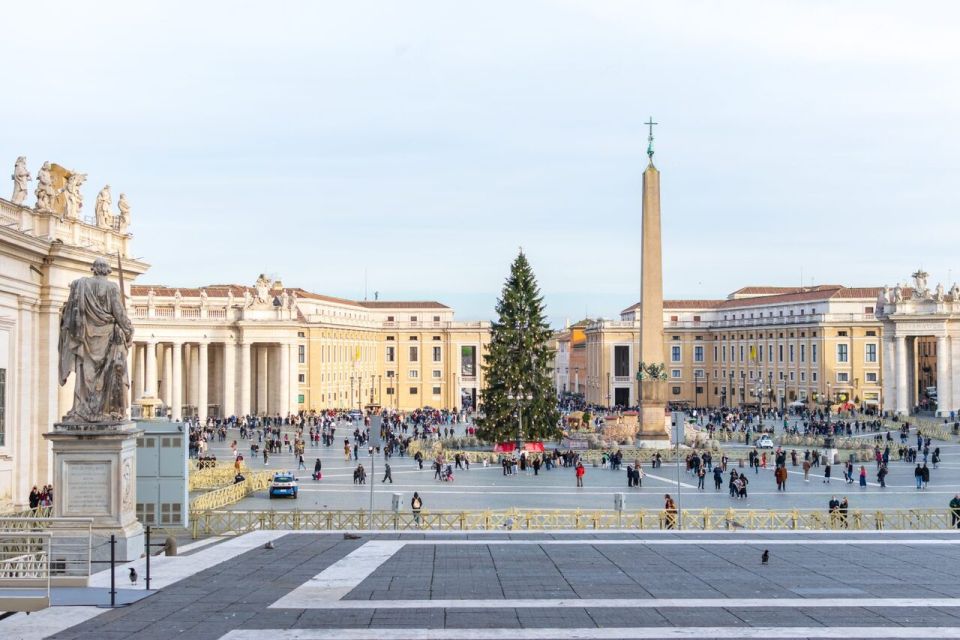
(304,602)
(341,577)
(661,541)
(608,633)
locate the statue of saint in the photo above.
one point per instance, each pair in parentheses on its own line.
(124,208)
(95,335)
(20,179)
(897,293)
(104,202)
(938,295)
(44,190)
(262,286)
(954,292)
(74,197)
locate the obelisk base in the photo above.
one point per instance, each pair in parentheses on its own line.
(653,421)
(95,476)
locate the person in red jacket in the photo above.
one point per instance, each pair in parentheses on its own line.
(580,471)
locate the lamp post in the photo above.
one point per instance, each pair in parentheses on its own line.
(518,398)
(351,392)
(373,482)
(743,388)
(732,394)
(380,389)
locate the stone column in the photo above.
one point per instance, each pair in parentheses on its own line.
(903,406)
(245,383)
(136,371)
(284,406)
(294,382)
(203,361)
(229,378)
(176,380)
(167,386)
(150,385)
(262,377)
(944,388)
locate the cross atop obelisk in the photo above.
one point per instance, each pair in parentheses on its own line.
(651,124)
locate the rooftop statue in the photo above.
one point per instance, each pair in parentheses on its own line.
(74,199)
(104,202)
(44,190)
(124,208)
(95,334)
(20,179)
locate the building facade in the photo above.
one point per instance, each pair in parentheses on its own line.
(266,349)
(43,248)
(761,346)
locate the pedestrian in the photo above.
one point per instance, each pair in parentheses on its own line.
(882,477)
(925,475)
(416,504)
(580,471)
(781,477)
(826,473)
(386,473)
(316,470)
(717,477)
(701,475)
(918,476)
(669,512)
(955,511)
(300,464)
(806,470)
(863,477)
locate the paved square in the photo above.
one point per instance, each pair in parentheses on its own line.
(616,585)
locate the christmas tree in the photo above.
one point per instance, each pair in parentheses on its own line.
(517,365)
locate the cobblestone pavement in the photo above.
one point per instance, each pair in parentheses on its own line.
(560,586)
(488,488)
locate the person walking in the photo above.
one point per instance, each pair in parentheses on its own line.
(955,512)
(301,464)
(316,470)
(416,504)
(863,477)
(386,473)
(717,477)
(669,512)
(806,470)
(781,477)
(580,471)
(918,476)
(925,475)
(701,475)
(826,473)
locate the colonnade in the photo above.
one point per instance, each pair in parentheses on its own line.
(903,367)
(200,377)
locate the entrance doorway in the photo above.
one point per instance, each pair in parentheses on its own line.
(621,396)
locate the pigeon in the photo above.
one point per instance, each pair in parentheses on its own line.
(351,536)
(765,558)
(269,545)
(133,576)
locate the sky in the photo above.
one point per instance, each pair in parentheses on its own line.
(411,148)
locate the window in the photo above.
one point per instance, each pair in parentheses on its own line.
(780,352)
(300,398)
(413,373)
(413,391)
(675,373)
(413,354)
(813,376)
(391,354)
(436,391)
(698,374)
(3,406)
(803,376)
(741,352)
(389,391)
(843,354)
(413,318)
(724,353)
(871,376)
(842,334)
(413,338)
(803,353)
(436,354)
(389,318)
(871,353)
(715,353)
(436,373)
(843,376)
(437,338)
(301,353)
(301,378)
(301,334)
(791,353)
(813,352)
(871,334)
(390,338)
(770,353)
(675,354)
(791,376)
(621,361)
(698,353)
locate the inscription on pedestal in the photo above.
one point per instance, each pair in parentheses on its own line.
(87,490)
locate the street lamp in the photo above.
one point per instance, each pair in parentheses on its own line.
(351,392)
(518,398)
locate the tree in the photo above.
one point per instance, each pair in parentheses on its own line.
(517,365)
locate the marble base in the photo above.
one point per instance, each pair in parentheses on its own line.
(95,476)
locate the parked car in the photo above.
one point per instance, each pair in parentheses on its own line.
(765,442)
(284,484)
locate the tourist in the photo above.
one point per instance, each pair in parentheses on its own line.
(415,505)
(882,476)
(925,475)
(717,477)
(918,477)
(386,473)
(34,498)
(580,471)
(863,477)
(955,511)
(316,470)
(781,477)
(806,470)
(701,475)
(826,473)
(670,512)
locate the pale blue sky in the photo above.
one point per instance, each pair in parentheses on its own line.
(426,141)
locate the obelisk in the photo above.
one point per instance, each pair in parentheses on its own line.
(652,375)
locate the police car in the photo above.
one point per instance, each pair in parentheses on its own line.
(765,442)
(284,484)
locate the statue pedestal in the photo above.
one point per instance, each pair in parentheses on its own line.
(653,421)
(95,476)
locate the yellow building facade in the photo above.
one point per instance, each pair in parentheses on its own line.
(761,346)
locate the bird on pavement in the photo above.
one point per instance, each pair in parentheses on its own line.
(268,545)
(765,558)
(133,576)
(351,536)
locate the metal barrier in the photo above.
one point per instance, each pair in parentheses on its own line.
(69,549)
(39,512)
(24,571)
(206,523)
(213,477)
(255,481)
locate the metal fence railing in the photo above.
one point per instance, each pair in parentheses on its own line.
(24,571)
(69,545)
(223,522)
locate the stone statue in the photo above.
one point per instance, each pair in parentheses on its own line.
(229,298)
(177,297)
(151,297)
(20,179)
(263,288)
(203,297)
(954,292)
(104,202)
(284,300)
(293,299)
(883,297)
(938,295)
(124,208)
(74,199)
(897,293)
(920,289)
(95,334)
(44,190)
(247,298)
